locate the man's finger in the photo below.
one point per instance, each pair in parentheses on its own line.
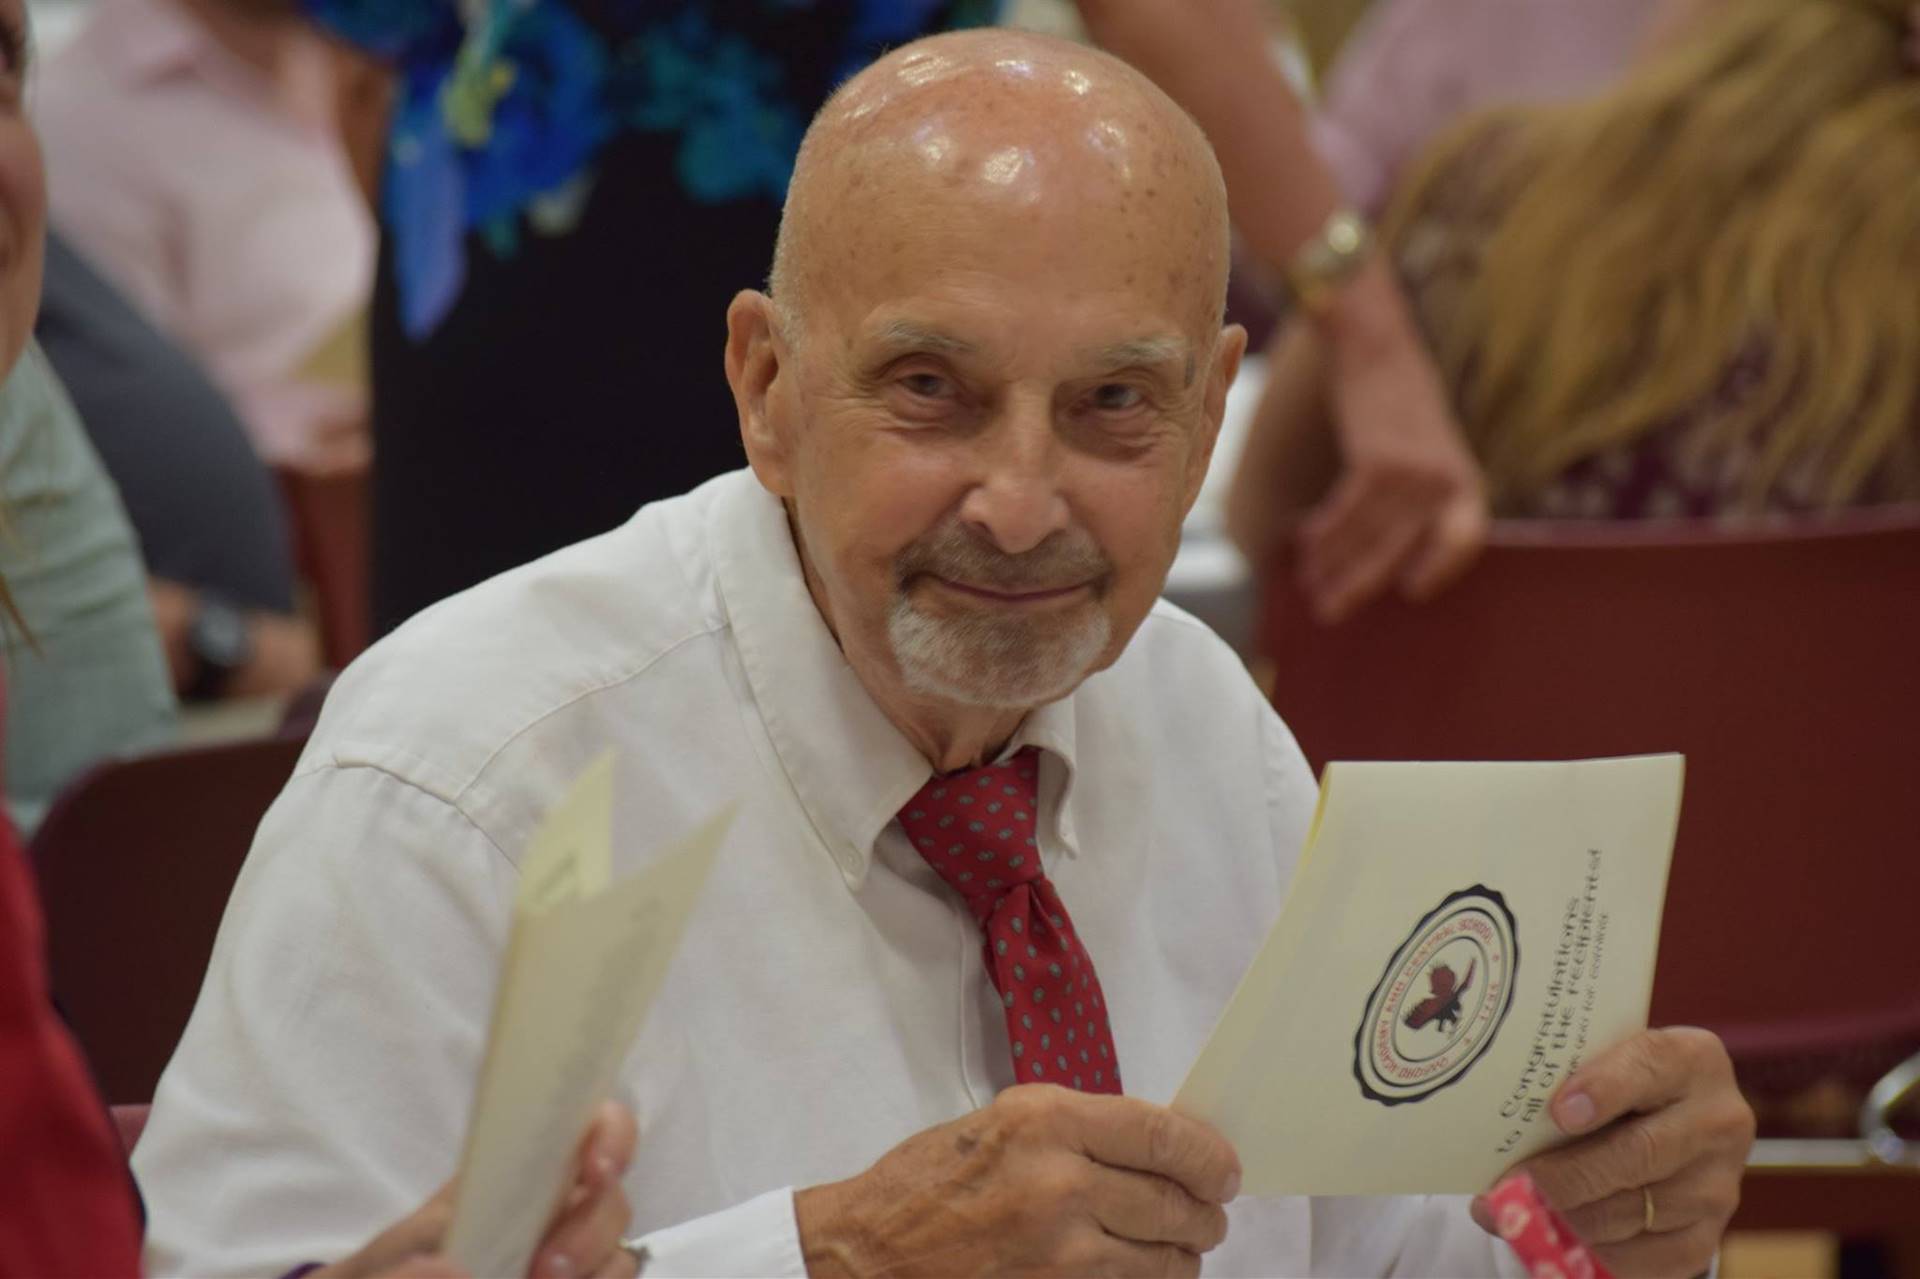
(1643,1151)
(607,1149)
(585,1238)
(1652,1069)
(621,1265)
(1679,1202)
(1125,1132)
(434,1267)
(1150,1209)
(1662,1256)
(1126,1257)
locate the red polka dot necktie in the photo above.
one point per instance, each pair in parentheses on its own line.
(977,829)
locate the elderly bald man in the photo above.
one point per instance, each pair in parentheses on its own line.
(1010,829)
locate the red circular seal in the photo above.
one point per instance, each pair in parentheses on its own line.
(1441,1001)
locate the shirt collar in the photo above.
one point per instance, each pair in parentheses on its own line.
(851,768)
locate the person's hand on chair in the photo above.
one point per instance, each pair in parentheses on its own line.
(1408,509)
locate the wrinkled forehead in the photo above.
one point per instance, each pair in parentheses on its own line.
(1061,180)
(1064,214)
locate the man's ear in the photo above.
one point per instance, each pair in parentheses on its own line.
(756,366)
(1220,372)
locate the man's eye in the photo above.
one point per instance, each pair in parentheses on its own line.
(930,386)
(1117,397)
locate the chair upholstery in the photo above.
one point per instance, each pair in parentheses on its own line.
(136,860)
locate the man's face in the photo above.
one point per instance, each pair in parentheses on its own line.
(991,428)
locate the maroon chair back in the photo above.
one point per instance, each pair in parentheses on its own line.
(1784,663)
(332,548)
(136,860)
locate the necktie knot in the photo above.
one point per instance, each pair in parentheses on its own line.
(979,829)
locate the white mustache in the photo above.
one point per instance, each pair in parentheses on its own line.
(1067,558)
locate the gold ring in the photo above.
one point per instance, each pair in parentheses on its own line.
(1646,1197)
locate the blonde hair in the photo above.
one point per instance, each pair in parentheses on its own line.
(1754,187)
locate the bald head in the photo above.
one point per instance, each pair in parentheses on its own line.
(1050,139)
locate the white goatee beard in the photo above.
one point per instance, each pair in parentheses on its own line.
(996,663)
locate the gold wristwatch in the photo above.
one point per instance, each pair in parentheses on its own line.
(1327,261)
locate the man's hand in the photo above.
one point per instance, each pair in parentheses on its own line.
(1045,1180)
(1659,1111)
(1408,509)
(582,1239)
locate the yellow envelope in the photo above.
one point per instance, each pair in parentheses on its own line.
(1457,940)
(582,966)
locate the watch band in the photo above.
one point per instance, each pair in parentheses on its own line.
(1328,260)
(220,645)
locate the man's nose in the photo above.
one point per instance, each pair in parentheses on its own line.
(1017,500)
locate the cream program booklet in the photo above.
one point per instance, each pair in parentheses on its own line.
(584,960)
(1457,939)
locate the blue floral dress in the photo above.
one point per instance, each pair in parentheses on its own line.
(573,190)
(504,104)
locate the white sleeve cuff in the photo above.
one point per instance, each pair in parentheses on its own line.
(758,1237)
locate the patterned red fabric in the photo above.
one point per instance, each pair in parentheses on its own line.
(66,1204)
(977,829)
(1539,1236)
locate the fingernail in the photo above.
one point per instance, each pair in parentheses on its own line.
(1233,1185)
(1482,1213)
(1574,1113)
(559,1265)
(604,1167)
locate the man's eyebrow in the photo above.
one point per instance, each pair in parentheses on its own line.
(905,335)
(1147,353)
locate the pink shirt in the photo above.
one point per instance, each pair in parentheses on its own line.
(1415,66)
(219,200)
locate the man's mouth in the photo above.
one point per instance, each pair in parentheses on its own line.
(1014,597)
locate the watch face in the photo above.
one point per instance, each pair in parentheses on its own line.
(220,635)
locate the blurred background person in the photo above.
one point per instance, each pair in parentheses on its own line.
(1687,296)
(209,519)
(561,180)
(1413,67)
(84,667)
(67,1203)
(194,159)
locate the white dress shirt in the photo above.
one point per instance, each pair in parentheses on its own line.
(829,998)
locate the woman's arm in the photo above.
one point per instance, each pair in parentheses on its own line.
(1408,509)
(1290,458)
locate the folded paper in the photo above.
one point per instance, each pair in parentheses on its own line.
(1457,940)
(585,958)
